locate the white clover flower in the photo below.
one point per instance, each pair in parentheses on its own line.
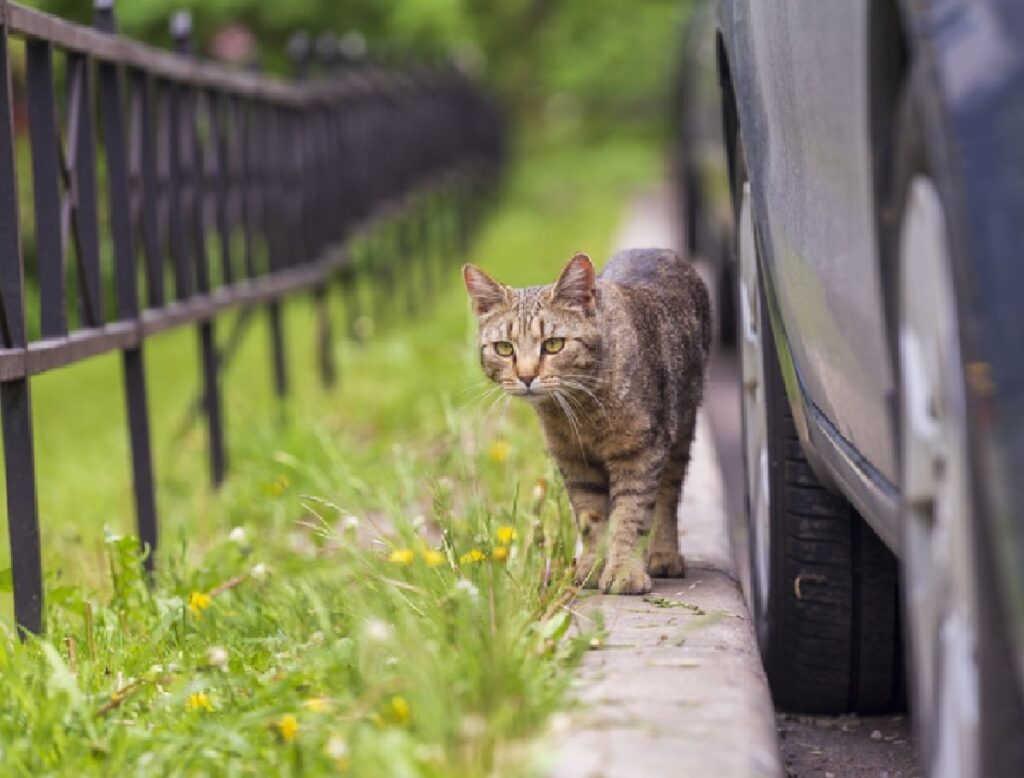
(376,630)
(259,572)
(418,522)
(473,726)
(336,747)
(350,523)
(560,723)
(237,536)
(467,586)
(217,657)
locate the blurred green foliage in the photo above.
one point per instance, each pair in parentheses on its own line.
(589,65)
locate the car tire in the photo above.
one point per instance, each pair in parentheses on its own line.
(823,587)
(967,702)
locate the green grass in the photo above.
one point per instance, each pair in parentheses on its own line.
(439,665)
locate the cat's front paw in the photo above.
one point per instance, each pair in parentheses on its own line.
(628,577)
(588,570)
(666,564)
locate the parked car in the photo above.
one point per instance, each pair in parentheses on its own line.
(700,162)
(876,163)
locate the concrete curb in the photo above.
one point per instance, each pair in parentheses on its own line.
(678,687)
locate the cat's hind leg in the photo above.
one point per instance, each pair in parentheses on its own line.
(666,561)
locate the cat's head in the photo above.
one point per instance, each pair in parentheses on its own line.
(541,340)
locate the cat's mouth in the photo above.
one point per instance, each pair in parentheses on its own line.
(532,392)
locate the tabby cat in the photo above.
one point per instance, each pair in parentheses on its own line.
(614,367)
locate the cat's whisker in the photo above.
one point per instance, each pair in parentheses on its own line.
(586,380)
(475,386)
(576,403)
(571,418)
(580,387)
(574,383)
(482,396)
(494,401)
(504,408)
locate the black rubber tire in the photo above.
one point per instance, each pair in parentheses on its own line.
(830,632)
(830,636)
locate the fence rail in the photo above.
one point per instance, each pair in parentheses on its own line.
(166,189)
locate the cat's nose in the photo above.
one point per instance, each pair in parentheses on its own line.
(527,379)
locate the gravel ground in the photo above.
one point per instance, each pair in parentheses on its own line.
(841,746)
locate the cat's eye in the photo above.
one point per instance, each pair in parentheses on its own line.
(552,345)
(503,348)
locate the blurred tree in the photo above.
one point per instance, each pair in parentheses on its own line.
(598,63)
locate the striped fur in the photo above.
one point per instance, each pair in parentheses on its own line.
(617,401)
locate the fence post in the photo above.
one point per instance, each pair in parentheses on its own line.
(45,147)
(275,222)
(300,49)
(318,175)
(262,170)
(133,360)
(181,31)
(15,397)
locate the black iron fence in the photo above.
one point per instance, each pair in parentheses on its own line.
(167,189)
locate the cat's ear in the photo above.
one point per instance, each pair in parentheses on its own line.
(483,290)
(576,286)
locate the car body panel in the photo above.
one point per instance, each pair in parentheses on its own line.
(800,75)
(703,174)
(810,163)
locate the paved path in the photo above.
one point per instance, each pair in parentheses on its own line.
(677,689)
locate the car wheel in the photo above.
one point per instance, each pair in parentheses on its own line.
(823,587)
(966,703)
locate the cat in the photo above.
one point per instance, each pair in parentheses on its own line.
(614,367)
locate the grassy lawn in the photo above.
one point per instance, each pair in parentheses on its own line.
(379,586)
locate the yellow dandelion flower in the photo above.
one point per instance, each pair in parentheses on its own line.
(288,727)
(506,534)
(499,553)
(198,602)
(402,556)
(498,451)
(199,701)
(472,556)
(318,705)
(400,709)
(432,557)
(277,486)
